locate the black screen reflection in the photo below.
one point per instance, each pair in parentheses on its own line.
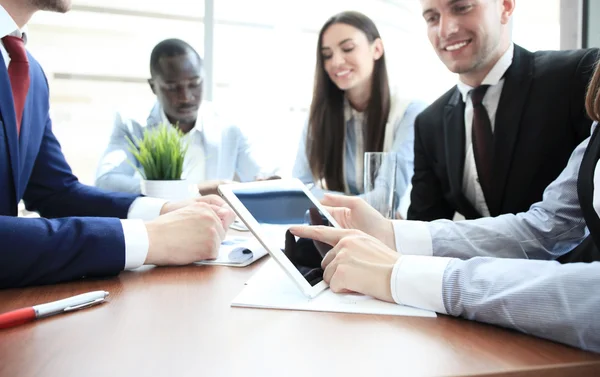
(290,207)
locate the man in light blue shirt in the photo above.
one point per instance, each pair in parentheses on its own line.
(217,151)
(501,270)
(448,266)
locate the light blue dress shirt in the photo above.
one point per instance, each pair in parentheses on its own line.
(402,144)
(227,150)
(479,269)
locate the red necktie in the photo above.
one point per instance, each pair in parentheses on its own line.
(483,141)
(18,71)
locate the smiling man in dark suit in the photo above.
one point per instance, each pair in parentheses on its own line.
(492,143)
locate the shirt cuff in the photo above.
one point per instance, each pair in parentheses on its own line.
(145,208)
(412,237)
(136,243)
(418,281)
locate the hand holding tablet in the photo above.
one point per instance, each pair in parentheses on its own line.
(269,209)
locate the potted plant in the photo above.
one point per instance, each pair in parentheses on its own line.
(161,153)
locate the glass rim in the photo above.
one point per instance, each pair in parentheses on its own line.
(376,153)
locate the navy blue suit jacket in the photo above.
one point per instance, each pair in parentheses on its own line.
(79,233)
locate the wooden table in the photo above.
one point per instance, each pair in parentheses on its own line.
(178,322)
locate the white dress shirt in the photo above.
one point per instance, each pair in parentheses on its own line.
(471,187)
(142,209)
(193,163)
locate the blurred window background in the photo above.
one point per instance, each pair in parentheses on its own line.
(97,56)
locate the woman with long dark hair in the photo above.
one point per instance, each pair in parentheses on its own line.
(354,110)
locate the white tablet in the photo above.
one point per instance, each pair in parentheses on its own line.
(269,208)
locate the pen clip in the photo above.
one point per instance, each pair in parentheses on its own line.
(84,305)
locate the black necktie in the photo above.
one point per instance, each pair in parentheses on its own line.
(483,141)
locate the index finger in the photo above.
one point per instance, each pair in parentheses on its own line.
(212,199)
(222,229)
(333,210)
(202,207)
(338,213)
(225,214)
(326,234)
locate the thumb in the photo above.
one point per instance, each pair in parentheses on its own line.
(339,201)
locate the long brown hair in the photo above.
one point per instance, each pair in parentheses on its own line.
(592,99)
(325,136)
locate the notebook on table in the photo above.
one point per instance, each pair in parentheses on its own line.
(237,252)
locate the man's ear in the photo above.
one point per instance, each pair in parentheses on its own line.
(378,49)
(508,7)
(151,83)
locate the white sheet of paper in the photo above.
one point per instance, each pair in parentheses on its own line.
(271,288)
(233,252)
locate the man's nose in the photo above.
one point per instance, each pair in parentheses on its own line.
(184,94)
(448,26)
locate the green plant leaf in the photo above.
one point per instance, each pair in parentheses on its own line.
(160,153)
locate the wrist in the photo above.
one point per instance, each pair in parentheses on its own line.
(383,276)
(389,237)
(154,244)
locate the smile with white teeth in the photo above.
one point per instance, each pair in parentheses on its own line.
(456,46)
(343,73)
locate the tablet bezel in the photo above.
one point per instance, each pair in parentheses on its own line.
(227,193)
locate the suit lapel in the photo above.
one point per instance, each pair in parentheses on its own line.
(513,99)
(454,136)
(9,121)
(25,121)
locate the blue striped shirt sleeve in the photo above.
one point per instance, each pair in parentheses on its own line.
(542,298)
(549,229)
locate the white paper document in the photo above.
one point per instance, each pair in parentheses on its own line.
(271,288)
(237,252)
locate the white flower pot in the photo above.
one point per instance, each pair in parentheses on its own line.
(170,190)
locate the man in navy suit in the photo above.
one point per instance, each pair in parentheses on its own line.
(80,232)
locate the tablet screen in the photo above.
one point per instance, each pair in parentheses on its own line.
(276,209)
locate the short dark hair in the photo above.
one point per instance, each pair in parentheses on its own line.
(169,48)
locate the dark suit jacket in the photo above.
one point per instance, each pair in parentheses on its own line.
(540,120)
(33,168)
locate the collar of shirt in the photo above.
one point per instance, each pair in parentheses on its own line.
(494,76)
(197,127)
(350,112)
(8,26)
